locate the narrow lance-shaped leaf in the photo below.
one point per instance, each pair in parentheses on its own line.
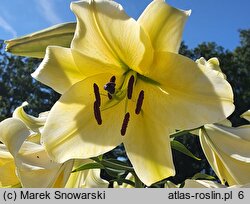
(88,166)
(181,148)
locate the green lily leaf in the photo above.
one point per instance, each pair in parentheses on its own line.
(35,44)
(88,166)
(181,148)
(203,176)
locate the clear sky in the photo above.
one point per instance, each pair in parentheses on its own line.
(211,20)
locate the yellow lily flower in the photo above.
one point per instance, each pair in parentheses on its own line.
(149,89)
(34,44)
(227,150)
(24,159)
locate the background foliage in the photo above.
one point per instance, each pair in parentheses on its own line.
(17,86)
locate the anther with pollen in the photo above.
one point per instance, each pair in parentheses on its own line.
(130,86)
(125,124)
(97,113)
(97,95)
(139,102)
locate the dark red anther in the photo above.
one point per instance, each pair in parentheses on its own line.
(125,124)
(97,94)
(139,102)
(130,86)
(97,113)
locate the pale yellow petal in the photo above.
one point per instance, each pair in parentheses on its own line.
(246,115)
(7,168)
(58,69)
(213,64)
(89,66)
(164,25)
(36,169)
(147,145)
(105,32)
(169,184)
(94,180)
(227,138)
(189,183)
(71,130)
(185,87)
(225,122)
(13,132)
(76,179)
(34,123)
(233,163)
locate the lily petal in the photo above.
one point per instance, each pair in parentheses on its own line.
(32,122)
(80,136)
(105,32)
(8,176)
(89,66)
(13,132)
(34,167)
(164,24)
(230,164)
(246,115)
(58,69)
(186,87)
(147,144)
(189,183)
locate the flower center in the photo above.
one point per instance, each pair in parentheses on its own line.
(115,95)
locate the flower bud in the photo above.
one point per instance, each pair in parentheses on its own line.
(34,44)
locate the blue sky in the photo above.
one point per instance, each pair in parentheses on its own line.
(211,20)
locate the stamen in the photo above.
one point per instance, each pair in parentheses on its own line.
(125,124)
(139,102)
(97,113)
(130,86)
(112,79)
(97,95)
